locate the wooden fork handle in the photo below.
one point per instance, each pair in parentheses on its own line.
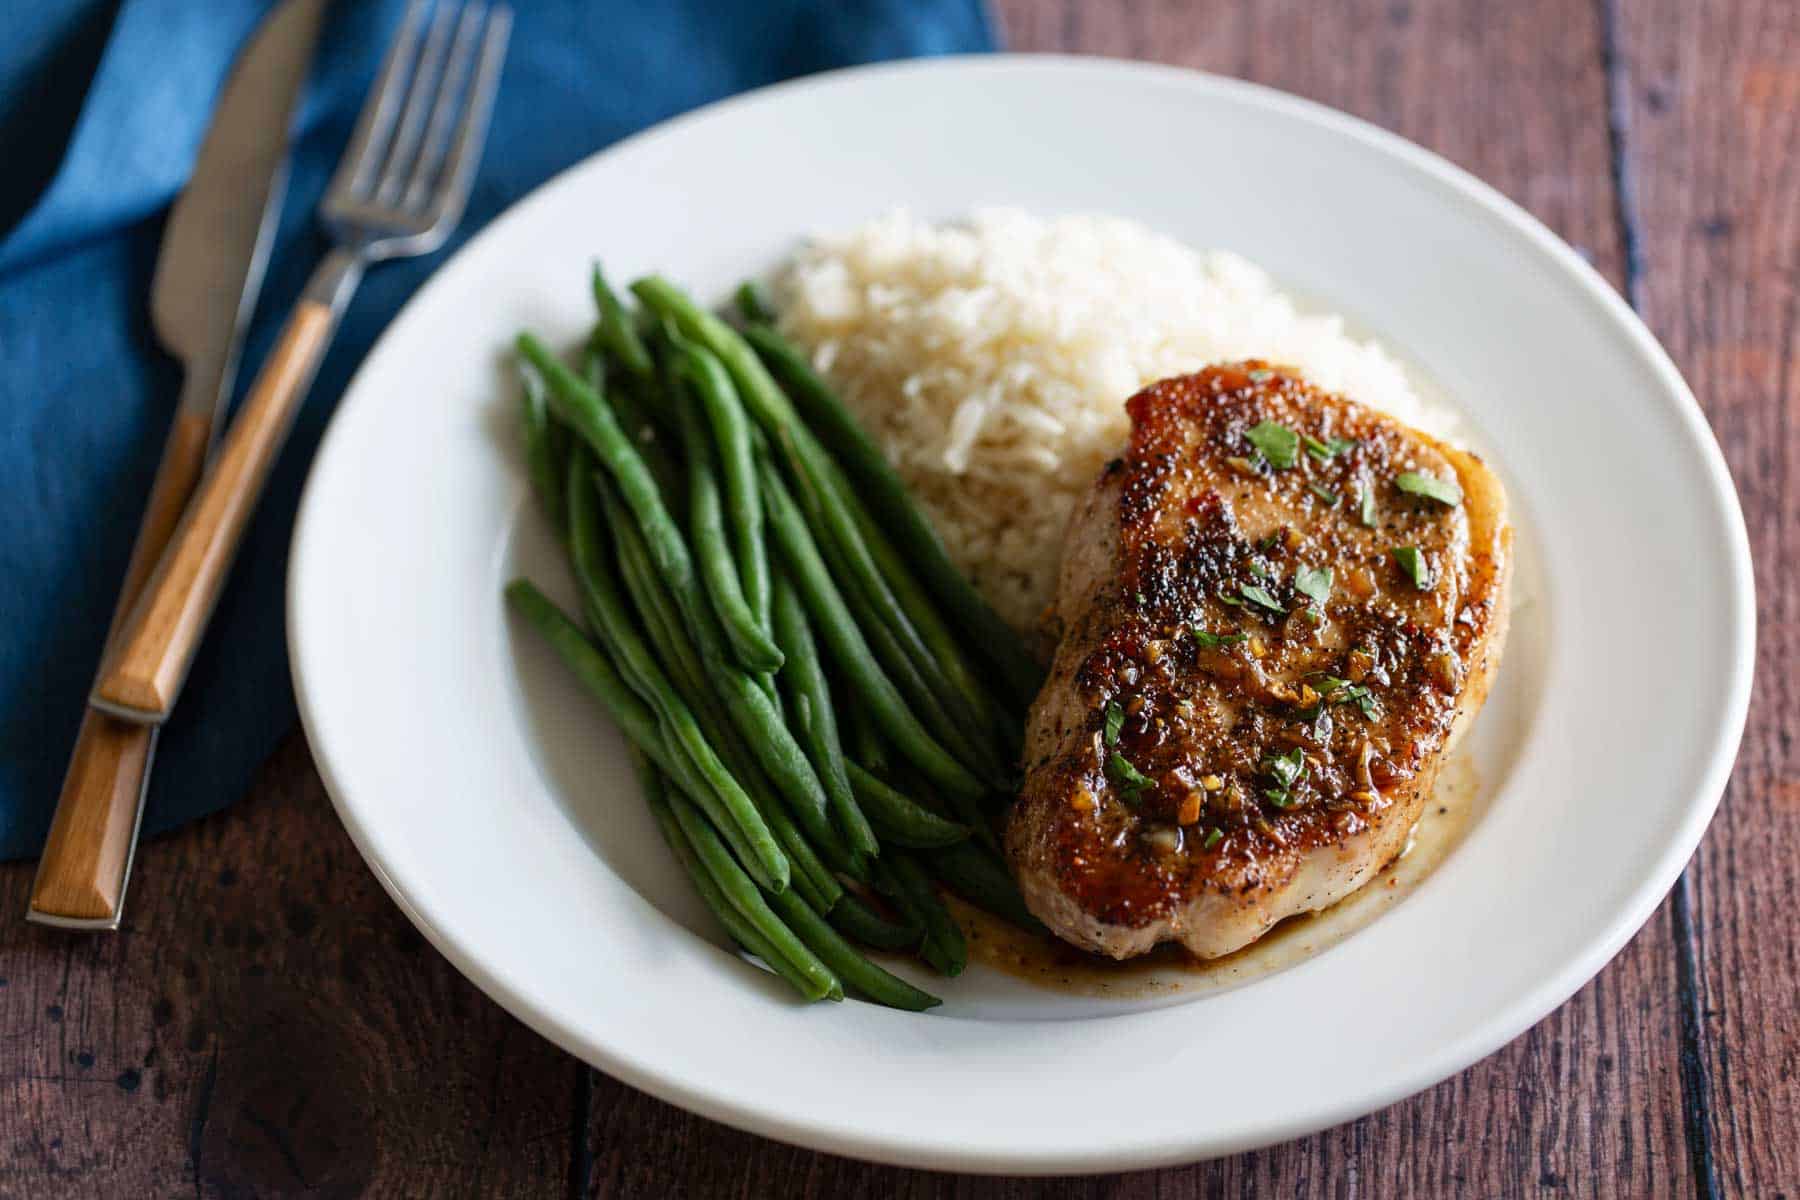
(147,665)
(87,857)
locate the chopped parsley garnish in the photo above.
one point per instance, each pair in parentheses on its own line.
(1141,602)
(1209,640)
(1213,838)
(1256,569)
(1432,488)
(1333,690)
(1115,721)
(1285,770)
(1258,596)
(1328,449)
(1260,374)
(1368,504)
(1326,494)
(1276,443)
(1314,583)
(1411,560)
(1127,778)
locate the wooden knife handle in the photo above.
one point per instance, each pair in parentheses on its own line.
(145,669)
(81,876)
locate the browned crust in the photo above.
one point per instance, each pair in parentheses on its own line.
(1162,547)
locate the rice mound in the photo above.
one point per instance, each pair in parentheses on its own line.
(991,359)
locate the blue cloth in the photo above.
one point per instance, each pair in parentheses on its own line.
(102,108)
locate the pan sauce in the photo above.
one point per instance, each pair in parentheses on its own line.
(1050,963)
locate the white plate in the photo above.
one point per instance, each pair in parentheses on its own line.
(495,804)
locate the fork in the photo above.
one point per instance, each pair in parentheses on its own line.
(397,193)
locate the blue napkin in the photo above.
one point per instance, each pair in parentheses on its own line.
(102,108)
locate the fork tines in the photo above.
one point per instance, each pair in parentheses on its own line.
(406,173)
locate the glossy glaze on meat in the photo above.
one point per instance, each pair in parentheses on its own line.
(1265,754)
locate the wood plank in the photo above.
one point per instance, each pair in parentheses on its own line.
(1587,1103)
(1709,98)
(266,1023)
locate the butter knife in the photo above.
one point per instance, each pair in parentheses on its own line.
(208,273)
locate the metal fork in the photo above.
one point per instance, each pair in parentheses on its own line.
(398,193)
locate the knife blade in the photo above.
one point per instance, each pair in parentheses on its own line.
(209,271)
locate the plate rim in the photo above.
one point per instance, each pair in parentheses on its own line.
(1532,1006)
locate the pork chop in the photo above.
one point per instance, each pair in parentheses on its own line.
(1279,611)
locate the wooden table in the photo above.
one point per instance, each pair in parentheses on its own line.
(269,1024)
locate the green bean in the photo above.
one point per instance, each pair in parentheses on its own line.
(741,930)
(744,896)
(898,818)
(979,878)
(906,780)
(881,486)
(834,623)
(762,854)
(749,707)
(594,420)
(617,331)
(901,668)
(737,465)
(831,512)
(855,919)
(708,707)
(637,420)
(600,677)
(594,671)
(750,303)
(897,645)
(866,746)
(817,717)
(961,674)
(849,964)
(544,438)
(904,881)
(748,635)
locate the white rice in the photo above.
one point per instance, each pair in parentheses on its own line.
(991,360)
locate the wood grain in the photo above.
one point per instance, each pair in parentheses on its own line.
(266,1023)
(147,666)
(1708,98)
(81,874)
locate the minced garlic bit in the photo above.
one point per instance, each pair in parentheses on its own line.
(1257,649)
(1211,783)
(1082,800)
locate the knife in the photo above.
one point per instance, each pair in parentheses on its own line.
(208,273)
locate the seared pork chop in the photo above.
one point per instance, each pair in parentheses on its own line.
(1280,610)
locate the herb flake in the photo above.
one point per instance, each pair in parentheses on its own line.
(1213,837)
(1444,491)
(1333,690)
(1285,770)
(1261,598)
(1115,721)
(1323,493)
(1411,560)
(1127,778)
(1328,449)
(1314,583)
(1276,443)
(1367,513)
(1209,640)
